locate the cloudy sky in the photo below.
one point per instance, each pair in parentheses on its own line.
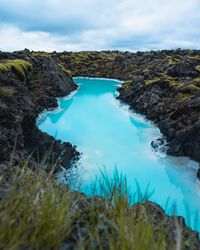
(99,24)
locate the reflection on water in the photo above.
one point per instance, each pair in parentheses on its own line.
(109,135)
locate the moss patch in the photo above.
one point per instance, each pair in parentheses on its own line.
(7,91)
(40,53)
(66,71)
(196,80)
(152,81)
(193,87)
(172,60)
(182,96)
(18,66)
(193,57)
(197,67)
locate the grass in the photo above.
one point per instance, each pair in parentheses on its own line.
(34,213)
(19,66)
(129,228)
(38,213)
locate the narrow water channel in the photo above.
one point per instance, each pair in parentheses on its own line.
(110,135)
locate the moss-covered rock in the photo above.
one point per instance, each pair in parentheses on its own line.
(198,67)
(28,85)
(7,91)
(18,66)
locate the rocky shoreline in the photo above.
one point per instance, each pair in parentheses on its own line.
(162,85)
(30,84)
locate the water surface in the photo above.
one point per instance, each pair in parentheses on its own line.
(109,135)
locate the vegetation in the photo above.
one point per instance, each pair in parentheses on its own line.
(198,67)
(7,91)
(37,213)
(67,72)
(152,81)
(172,80)
(181,96)
(34,213)
(40,53)
(19,66)
(171,60)
(184,89)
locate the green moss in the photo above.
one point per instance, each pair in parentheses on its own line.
(108,56)
(127,84)
(193,57)
(40,53)
(172,60)
(196,80)
(152,81)
(193,87)
(182,96)
(80,56)
(7,91)
(18,66)
(198,67)
(66,71)
(173,81)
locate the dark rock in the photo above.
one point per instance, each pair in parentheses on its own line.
(198,173)
(18,112)
(138,79)
(157,143)
(194,103)
(183,69)
(174,149)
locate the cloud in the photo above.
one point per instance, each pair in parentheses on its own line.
(12,38)
(100,24)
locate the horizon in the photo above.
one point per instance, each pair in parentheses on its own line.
(126,25)
(99,51)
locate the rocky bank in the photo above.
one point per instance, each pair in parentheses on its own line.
(162,85)
(30,84)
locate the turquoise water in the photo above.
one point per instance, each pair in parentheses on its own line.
(109,135)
